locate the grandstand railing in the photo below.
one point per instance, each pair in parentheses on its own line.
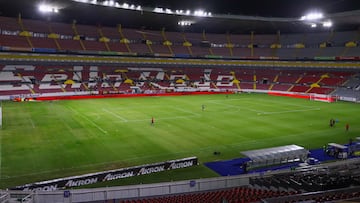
(4,197)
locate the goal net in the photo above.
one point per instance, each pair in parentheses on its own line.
(322,98)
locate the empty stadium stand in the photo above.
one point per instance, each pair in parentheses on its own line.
(233,195)
(61,36)
(33,79)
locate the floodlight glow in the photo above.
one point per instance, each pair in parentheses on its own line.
(312,16)
(44,8)
(199,13)
(125,5)
(111,3)
(188,12)
(82,1)
(168,11)
(327,24)
(313,25)
(185,23)
(158,10)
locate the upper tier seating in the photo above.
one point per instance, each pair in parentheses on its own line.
(196,44)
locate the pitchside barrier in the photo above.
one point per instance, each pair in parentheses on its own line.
(314,97)
(115,194)
(76,181)
(117,94)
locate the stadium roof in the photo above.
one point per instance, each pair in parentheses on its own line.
(233,16)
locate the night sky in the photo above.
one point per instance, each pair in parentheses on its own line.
(98,15)
(273,8)
(266,8)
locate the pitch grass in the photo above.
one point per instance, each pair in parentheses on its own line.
(47,140)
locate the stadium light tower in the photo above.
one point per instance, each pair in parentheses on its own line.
(313,16)
(46,8)
(316,18)
(327,24)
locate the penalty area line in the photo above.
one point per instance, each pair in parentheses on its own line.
(116,115)
(160,118)
(290,111)
(32,123)
(193,113)
(94,124)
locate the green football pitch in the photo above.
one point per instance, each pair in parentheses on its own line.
(48,140)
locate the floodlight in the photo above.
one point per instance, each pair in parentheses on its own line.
(327,23)
(45,8)
(313,25)
(168,11)
(312,16)
(199,13)
(125,5)
(185,23)
(158,10)
(82,1)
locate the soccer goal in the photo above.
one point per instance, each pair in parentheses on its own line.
(322,98)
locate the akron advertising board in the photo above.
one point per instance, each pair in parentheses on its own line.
(75,181)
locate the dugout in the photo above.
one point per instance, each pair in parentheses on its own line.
(275,156)
(337,150)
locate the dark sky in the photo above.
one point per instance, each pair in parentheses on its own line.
(274,8)
(105,16)
(266,8)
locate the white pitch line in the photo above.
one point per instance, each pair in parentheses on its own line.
(282,102)
(236,144)
(212,100)
(196,114)
(290,111)
(32,123)
(234,106)
(94,124)
(162,118)
(116,115)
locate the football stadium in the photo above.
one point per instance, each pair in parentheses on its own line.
(177,102)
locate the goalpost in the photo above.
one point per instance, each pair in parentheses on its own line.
(322,98)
